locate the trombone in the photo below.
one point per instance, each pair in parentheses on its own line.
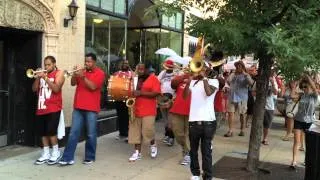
(30,73)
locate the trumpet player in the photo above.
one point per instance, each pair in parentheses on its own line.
(165,77)
(88,82)
(48,85)
(143,126)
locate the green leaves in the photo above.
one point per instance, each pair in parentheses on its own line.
(288,29)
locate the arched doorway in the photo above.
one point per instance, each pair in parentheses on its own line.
(27,32)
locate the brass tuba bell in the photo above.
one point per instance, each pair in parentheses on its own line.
(197,62)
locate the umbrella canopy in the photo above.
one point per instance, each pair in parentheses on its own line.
(166,52)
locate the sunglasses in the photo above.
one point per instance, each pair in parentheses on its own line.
(303,87)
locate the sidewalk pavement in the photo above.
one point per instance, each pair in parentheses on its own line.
(112,158)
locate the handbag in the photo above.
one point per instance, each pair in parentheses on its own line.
(292,109)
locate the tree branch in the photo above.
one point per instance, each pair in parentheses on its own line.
(278,17)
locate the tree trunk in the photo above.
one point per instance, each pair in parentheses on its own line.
(265,63)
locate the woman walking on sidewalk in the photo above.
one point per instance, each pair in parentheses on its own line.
(305,116)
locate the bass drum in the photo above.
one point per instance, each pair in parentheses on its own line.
(120,88)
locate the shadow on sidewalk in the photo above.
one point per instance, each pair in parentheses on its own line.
(234,169)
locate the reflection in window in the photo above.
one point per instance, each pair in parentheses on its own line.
(149,39)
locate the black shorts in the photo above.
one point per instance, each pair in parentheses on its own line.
(267,120)
(301,125)
(47,124)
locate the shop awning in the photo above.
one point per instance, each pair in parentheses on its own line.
(136,9)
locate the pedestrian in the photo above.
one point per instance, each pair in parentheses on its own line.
(239,81)
(48,85)
(308,101)
(272,92)
(89,81)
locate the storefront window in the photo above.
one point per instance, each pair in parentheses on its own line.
(106,37)
(149,39)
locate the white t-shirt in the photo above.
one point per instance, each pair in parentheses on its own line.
(165,80)
(202,108)
(270,100)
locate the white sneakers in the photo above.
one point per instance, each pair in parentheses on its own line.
(186,160)
(45,156)
(153,151)
(195,178)
(54,158)
(135,156)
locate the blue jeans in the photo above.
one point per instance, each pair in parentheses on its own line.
(78,118)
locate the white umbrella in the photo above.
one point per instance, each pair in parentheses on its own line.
(166,52)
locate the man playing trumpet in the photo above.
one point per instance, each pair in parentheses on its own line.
(48,85)
(89,82)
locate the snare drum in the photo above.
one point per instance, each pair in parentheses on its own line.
(120,88)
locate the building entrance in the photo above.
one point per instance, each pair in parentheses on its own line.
(19,50)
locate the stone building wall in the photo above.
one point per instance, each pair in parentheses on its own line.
(65,43)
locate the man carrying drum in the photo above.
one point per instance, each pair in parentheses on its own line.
(164,101)
(122,109)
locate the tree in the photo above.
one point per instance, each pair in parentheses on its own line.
(283,31)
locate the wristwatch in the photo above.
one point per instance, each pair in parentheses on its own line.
(205,78)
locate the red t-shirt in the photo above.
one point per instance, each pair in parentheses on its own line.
(48,101)
(180,105)
(86,99)
(148,106)
(220,102)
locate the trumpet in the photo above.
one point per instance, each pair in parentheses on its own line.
(70,73)
(30,73)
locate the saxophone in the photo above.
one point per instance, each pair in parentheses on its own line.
(130,104)
(132,100)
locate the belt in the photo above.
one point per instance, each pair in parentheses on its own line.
(201,123)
